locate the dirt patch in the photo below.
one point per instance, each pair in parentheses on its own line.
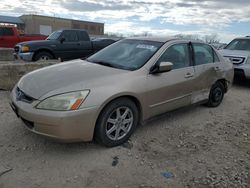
(198,146)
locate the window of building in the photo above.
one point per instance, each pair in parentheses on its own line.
(101,31)
(86,27)
(76,26)
(92,28)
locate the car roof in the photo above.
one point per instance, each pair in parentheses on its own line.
(103,39)
(71,30)
(164,39)
(155,39)
(247,37)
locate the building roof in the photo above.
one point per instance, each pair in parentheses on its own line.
(10,19)
(50,17)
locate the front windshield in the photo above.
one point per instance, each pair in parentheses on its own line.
(239,44)
(55,35)
(127,54)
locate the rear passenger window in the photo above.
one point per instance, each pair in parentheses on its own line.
(203,54)
(83,36)
(177,54)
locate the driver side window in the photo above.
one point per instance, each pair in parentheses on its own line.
(178,54)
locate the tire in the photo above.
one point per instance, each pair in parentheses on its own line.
(43,56)
(117,122)
(216,95)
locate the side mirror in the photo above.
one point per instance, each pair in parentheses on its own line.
(62,40)
(161,67)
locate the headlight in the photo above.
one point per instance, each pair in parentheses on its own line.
(25,49)
(64,102)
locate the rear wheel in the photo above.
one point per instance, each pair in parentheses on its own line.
(43,56)
(216,95)
(116,122)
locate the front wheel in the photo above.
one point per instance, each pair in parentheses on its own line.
(117,122)
(43,56)
(216,95)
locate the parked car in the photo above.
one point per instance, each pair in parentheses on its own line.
(64,44)
(9,37)
(238,52)
(107,95)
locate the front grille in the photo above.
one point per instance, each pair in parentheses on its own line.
(239,72)
(21,96)
(236,60)
(16,49)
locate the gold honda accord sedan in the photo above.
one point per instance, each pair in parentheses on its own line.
(108,94)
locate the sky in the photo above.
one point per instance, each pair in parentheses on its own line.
(226,18)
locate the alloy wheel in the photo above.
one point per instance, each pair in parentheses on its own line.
(119,123)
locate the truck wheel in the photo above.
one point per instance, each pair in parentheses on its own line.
(216,95)
(43,56)
(116,122)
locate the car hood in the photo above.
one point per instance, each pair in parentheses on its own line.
(234,53)
(66,77)
(37,42)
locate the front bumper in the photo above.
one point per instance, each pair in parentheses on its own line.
(242,70)
(65,126)
(27,56)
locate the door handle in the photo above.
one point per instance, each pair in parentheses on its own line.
(189,75)
(78,44)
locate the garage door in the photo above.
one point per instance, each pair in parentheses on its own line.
(45,29)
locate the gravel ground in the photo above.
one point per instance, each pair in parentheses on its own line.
(193,147)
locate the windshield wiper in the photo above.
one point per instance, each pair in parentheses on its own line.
(102,63)
(108,64)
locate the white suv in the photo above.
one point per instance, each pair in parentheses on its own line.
(238,52)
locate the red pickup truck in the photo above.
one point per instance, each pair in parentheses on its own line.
(9,37)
